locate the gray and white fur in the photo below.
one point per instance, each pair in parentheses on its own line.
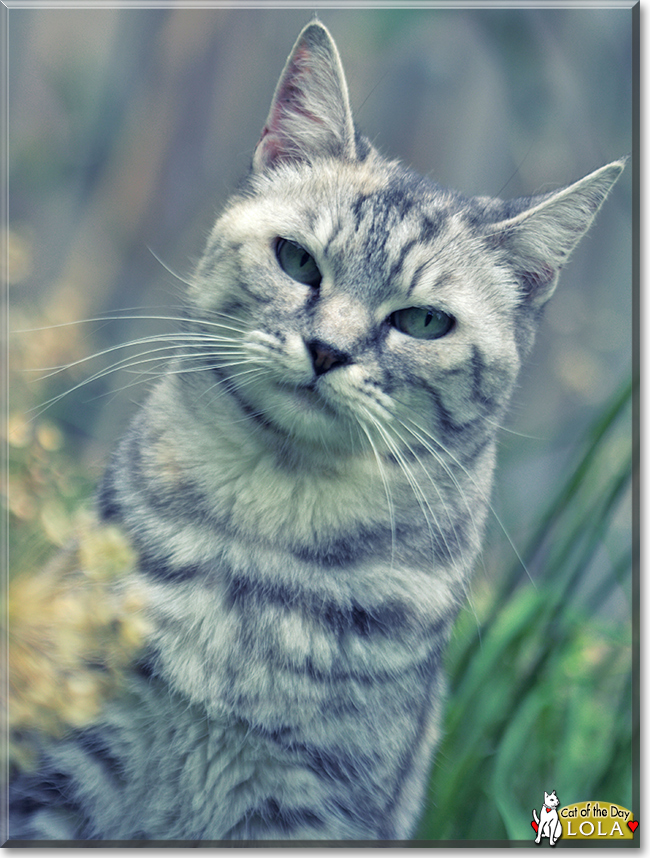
(306,488)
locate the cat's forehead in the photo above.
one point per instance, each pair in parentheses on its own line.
(376,191)
(407,237)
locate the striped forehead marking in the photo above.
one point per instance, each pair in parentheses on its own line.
(375,235)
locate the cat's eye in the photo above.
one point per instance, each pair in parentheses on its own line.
(297,263)
(422,323)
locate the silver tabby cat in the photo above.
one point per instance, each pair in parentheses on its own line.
(306,489)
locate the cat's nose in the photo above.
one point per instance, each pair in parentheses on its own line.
(325,357)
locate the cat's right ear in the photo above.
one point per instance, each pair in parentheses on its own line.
(310,114)
(541,237)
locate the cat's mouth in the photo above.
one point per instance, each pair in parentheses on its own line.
(309,398)
(299,411)
(303,413)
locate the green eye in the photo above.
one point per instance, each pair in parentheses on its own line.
(421,323)
(297,263)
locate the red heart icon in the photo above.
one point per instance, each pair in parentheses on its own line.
(535,826)
(633,826)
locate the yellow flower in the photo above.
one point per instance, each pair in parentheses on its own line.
(73,629)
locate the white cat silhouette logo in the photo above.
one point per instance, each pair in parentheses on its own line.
(548,824)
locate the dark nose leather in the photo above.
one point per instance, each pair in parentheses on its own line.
(325,357)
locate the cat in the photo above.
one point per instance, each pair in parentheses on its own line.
(549,825)
(305,490)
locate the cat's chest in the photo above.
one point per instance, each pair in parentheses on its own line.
(297,636)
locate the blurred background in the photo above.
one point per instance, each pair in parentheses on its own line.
(128,128)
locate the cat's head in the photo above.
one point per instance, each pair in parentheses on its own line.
(353,304)
(550,799)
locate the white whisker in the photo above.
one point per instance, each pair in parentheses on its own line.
(384,479)
(484,497)
(174,340)
(168,269)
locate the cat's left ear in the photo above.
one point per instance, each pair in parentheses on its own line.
(540,238)
(310,114)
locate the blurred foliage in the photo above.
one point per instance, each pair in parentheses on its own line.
(541,676)
(46,480)
(73,631)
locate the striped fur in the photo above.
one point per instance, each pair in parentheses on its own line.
(306,489)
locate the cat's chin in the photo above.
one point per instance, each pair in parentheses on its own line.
(300,415)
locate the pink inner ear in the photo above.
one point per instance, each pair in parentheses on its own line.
(536,281)
(278,141)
